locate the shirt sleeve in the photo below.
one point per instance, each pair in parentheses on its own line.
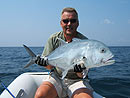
(48,47)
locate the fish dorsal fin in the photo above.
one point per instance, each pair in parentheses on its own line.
(62,42)
(76,39)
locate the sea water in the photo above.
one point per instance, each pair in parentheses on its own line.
(111,81)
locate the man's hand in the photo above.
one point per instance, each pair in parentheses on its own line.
(81,71)
(79,68)
(41,61)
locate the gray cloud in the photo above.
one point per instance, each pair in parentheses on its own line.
(107,21)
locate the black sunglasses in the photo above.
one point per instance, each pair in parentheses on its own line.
(69,20)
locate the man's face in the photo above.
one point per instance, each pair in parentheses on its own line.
(69,23)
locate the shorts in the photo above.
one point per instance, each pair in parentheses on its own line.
(67,87)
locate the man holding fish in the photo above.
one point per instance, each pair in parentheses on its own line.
(69,58)
(53,87)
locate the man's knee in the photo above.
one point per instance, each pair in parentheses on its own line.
(39,94)
(83,93)
(46,90)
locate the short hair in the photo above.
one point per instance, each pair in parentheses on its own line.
(69,9)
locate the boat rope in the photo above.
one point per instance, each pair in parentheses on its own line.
(7,89)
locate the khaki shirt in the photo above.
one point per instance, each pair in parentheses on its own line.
(53,43)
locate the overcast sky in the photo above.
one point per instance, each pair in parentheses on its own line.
(31,22)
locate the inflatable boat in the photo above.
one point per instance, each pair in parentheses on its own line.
(25,86)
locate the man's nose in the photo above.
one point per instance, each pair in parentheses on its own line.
(69,23)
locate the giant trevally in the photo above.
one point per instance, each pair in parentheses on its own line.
(91,53)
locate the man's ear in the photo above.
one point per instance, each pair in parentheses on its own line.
(60,22)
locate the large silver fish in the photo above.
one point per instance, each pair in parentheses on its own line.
(91,53)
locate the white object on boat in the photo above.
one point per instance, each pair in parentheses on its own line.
(25,85)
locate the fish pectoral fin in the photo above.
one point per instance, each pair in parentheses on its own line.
(64,73)
(85,73)
(80,60)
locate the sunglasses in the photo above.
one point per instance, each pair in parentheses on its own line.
(69,20)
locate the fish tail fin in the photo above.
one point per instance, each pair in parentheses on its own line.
(32,55)
(29,63)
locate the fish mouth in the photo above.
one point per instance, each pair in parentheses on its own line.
(109,61)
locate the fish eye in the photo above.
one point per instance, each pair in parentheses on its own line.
(103,50)
(84,57)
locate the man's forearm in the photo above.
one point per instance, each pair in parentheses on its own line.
(79,74)
(49,67)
